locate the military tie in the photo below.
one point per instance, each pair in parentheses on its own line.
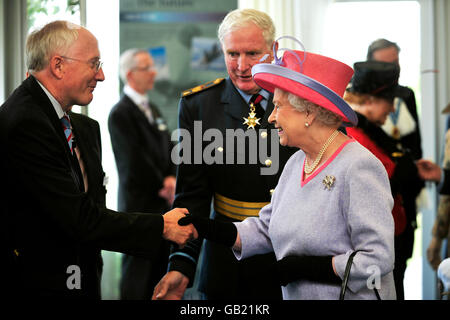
(68,132)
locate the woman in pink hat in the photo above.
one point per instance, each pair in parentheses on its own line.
(333,197)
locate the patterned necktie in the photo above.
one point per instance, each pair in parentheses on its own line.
(68,131)
(148,112)
(256,113)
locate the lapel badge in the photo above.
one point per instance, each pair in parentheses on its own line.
(328,182)
(161,125)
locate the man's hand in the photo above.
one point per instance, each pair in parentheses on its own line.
(176,233)
(428,170)
(171,287)
(168,190)
(434,252)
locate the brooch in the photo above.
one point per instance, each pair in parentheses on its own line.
(328,182)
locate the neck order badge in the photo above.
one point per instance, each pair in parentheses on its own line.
(251,121)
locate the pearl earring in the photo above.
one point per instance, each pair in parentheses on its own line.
(307,124)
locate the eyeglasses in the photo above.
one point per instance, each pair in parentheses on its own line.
(96,65)
(147,68)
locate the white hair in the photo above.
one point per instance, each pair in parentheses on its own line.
(239,18)
(55,37)
(323,115)
(128,61)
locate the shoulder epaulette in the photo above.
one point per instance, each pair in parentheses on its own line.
(202,87)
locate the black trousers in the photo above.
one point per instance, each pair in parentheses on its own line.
(404,244)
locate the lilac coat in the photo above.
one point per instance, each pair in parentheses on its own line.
(307,218)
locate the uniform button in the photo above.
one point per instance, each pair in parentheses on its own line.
(268,162)
(220,149)
(264,134)
(271,191)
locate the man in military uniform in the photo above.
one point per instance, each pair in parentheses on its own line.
(238,188)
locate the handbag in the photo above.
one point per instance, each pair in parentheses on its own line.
(347,274)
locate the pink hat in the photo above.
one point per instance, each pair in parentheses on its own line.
(310,76)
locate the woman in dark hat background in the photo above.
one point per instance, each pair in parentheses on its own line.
(320,212)
(371,94)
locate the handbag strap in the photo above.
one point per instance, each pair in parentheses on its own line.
(346,276)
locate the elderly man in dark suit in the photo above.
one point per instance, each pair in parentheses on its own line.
(141,145)
(49,220)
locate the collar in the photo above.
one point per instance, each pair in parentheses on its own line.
(55,103)
(136,97)
(247,97)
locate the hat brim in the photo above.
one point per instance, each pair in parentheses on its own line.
(270,76)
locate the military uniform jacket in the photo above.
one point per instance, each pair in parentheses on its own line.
(222,107)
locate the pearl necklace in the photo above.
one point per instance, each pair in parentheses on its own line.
(310,168)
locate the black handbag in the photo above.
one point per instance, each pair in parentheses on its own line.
(347,274)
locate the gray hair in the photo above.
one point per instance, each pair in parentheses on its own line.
(324,116)
(127,62)
(239,18)
(380,44)
(55,37)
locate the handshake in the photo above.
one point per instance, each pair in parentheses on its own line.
(181,227)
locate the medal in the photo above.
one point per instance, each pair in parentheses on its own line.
(396,133)
(252,120)
(394,117)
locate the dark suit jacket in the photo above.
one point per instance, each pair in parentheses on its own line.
(413,140)
(88,141)
(47,219)
(222,107)
(142,153)
(412,143)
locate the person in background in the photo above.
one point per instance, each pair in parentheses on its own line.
(403,125)
(429,171)
(51,223)
(371,94)
(237,190)
(319,213)
(141,145)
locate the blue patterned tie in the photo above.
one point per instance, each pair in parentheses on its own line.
(68,131)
